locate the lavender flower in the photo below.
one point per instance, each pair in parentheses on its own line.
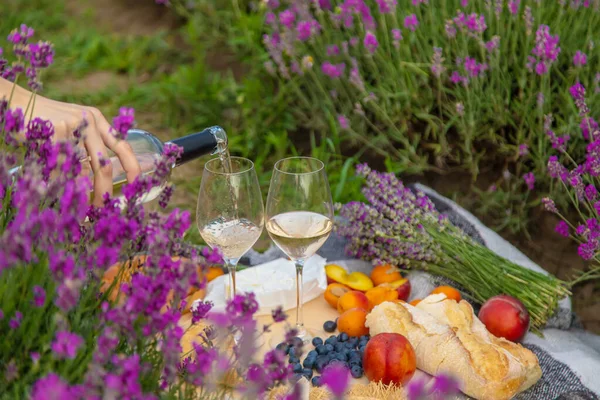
(513,6)
(123,122)
(562,229)
(529,179)
(579,59)
(549,205)
(460,109)
(493,44)
(370,42)
(523,150)
(540,100)
(278,314)
(411,23)
(287,18)
(51,386)
(397,37)
(333,70)
(39,296)
(589,126)
(437,68)
(66,344)
(545,52)
(200,310)
(343,122)
(336,378)
(528,17)
(578,93)
(15,322)
(450,29)
(387,6)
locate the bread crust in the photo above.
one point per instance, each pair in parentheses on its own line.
(448,337)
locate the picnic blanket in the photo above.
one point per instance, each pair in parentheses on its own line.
(568,355)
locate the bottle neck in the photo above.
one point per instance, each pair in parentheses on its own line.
(211,141)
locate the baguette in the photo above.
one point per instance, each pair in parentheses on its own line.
(485,370)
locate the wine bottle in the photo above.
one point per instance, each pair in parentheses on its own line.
(148,149)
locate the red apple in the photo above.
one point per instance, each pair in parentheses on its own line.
(389,358)
(504,316)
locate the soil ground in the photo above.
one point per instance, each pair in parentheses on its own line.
(553,252)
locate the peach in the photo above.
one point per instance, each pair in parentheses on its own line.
(379,294)
(352,299)
(352,322)
(389,358)
(354,280)
(333,293)
(504,316)
(384,274)
(402,286)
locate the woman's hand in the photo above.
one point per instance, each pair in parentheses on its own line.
(97,136)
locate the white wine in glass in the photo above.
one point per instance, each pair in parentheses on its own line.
(299,216)
(230,212)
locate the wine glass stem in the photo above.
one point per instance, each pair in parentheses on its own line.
(231,267)
(299,299)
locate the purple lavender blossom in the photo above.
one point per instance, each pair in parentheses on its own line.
(562,229)
(39,296)
(587,250)
(387,6)
(66,344)
(416,3)
(270,18)
(411,22)
(287,18)
(523,150)
(473,68)
(450,29)
(370,42)
(493,44)
(545,52)
(513,6)
(437,68)
(333,70)
(336,378)
(579,59)
(578,93)
(397,37)
(200,310)
(529,179)
(549,205)
(123,122)
(464,3)
(343,122)
(588,126)
(591,193)
(460,109)
(278,314)
(15,322)
(51,387)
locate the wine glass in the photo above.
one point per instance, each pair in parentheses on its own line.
(230,212)
(299,215)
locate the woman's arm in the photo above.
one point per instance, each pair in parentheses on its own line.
(66,118)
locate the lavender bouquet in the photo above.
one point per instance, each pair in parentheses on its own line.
(403,228)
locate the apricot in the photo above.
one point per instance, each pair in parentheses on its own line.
(352,322)
(333,293)
(384,274)
(389,358)
(415,302)
(354,280)
(402,286)
(379,294)
(449,291)
(353,299)
(213,273)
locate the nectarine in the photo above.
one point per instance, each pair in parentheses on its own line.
(504,316)
(333,293)
(389,358)
(352,322)
(352,299)
(384,274)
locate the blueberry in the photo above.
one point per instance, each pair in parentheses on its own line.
(322,349)
(353,341)
(329,347)
(343,337)
(365,337)
(297,368)
(339,362)
(355,354)
(316,381)
(332,340)
(294,360)
(312,354)
(349,346)
(361,348)
(321,364)
(339,346)
(309,362)
(356,372)
(297,342)
(329,326)
(317,341)
(342,356)
(283,347)
(308,373)
(293,352)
